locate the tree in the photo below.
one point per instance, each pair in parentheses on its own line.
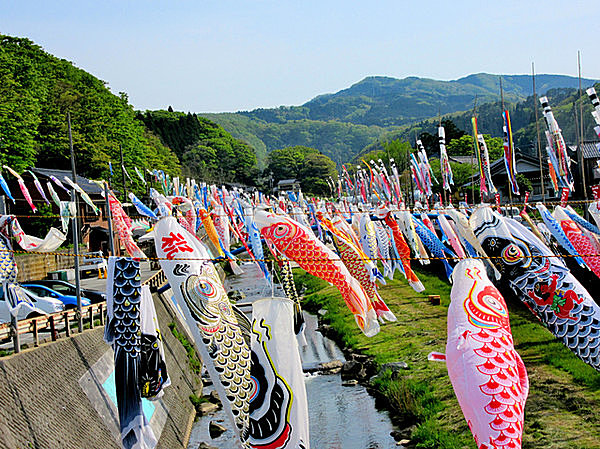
(463,146)
(36,92)
(206,149)
(316,168)
(307,165)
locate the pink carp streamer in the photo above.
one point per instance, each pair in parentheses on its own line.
(123,226)
(23,188)
(487,374)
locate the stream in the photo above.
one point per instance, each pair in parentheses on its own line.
(341,417)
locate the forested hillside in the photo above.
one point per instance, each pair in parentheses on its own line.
(339,141)
(385,101)
(342,124)
(563,101)
(204,148)
(36,91)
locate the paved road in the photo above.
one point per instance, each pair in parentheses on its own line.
(93,283)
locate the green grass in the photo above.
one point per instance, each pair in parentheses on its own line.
(563,408)
(193,361)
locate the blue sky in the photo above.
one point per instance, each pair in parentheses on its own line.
(211,56)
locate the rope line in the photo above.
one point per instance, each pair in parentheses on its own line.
(145,217)
(271,259)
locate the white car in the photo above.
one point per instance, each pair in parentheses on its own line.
(41,306)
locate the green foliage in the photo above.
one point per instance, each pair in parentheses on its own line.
(463,146)
(197,401)
(206,150)
(562,408)
(385,101)
(413,400)
(306,283)
(305,164)
(339,141)
(348,123)
(524,183)
(38,89)
(40,223)
(195,363)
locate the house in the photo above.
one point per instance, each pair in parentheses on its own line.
(527,166)
(93,228)
(463,159)
(591,161)
(287,185)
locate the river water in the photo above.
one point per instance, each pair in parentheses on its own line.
(340,417)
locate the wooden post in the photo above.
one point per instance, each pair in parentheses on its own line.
(111,238)
(580,134)
(14,325)
(67,324)
(102,314)
(36,339)
(91,317)
(53,332)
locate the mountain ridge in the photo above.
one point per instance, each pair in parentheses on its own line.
(337,123)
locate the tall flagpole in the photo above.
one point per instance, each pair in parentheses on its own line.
(510,200)
(581,159)
(123,174)
(537,128)
(441,168)
(472,163)
(75,229)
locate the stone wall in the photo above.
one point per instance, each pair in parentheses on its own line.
(57,396)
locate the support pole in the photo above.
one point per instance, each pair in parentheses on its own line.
(537,128)
(123,174)
(111,238)
(581,158)
(14,324)
(75,229)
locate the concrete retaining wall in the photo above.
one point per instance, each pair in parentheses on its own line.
(58,395)
(36,266)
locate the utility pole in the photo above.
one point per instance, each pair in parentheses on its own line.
(74,224)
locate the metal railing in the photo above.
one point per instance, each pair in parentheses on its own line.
(63,324)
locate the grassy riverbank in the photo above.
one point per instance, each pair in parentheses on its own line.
(563,408)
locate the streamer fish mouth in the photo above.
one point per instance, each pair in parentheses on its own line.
(264,218)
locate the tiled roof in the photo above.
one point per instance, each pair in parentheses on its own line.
(591,150)
(463,159)
(286,182)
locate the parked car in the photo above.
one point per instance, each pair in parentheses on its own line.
(91,262)
(41,306)
(511,211)
(66,288)
(42,291)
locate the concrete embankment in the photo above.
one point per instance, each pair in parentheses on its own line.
(62,395)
